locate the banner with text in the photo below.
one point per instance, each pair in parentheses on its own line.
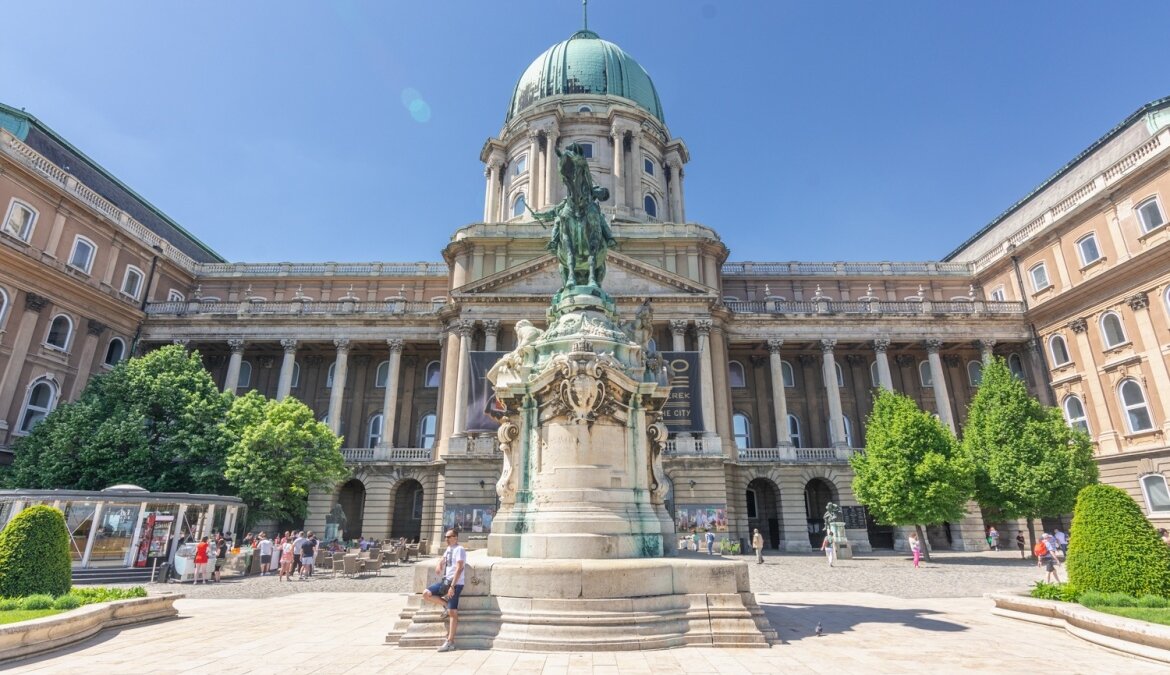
(480,395)
(683,412)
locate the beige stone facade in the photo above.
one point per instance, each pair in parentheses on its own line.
(788,352)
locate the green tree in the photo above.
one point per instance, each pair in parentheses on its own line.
(1114,548)
(278,452)
(1029,462)
(911,472)
(34,554)
(152,421)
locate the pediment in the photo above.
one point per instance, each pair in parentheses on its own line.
(624,276)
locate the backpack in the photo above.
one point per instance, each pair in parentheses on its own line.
(1040,549)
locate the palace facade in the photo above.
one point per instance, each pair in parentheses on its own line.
(774,362)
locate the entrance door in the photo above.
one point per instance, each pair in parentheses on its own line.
(880,536)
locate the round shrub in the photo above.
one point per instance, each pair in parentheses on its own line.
(34,554)
(9,604)
(1153,601)
(1113,548)
(67,602)
(38,601)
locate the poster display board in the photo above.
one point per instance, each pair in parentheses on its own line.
(700,518)
(683,412)
(470,518)
(855,517)
(480,394)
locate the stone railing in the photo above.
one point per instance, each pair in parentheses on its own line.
(1099,185)
(703,446)
(12,147)
(294,307)
(876,307)
(389,455)
(791,455)
(847,269)
(285,269)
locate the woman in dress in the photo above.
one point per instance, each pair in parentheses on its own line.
(201,561)
(286,559)
(915,547)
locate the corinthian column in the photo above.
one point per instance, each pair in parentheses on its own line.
(703,327)
(489,197)
(942,400)
(1140,304)
(885,380)
(463,376)
(829,375)
(619,172)
(779,399)
(550,168)
(93,331)
(987,351)
(337,394)
(232,380)
(491,333)
(390,400)
(674,196)
(534,178)
(678,334)
(287,365)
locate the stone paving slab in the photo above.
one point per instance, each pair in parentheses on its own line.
(345,632)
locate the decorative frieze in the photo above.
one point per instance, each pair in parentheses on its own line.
(774,345)
(34,302)
(1138,301)
(95,328)
(1078,325)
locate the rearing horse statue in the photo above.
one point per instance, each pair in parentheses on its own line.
(580,236)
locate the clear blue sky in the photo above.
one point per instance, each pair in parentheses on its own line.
(851,130)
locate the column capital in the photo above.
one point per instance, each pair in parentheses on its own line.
(289,345)
(678,326)
(236,345)
(827,345)
(933,345)
(881,345)
(182,342)
(774,345)
(394,344)
(342,345)
(93,327)
(34,302)
(986,344)
(491,326)
(465,327)
(1078,325)
(1033,345)
(703,326)
(1138,301)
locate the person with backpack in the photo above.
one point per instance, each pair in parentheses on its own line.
(1046,557)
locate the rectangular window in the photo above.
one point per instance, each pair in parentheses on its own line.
(1150,213)
(1039,277)
(520,165)
(586,150)
(999,295)
(19,222)
(175,296)
(1087,249)
(82,256)
(648,166)
(132,282)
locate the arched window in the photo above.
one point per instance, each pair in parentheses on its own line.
(1167,298)
(42,398)
(19,220)
(82,256)
(520,165)
(924,374)
(1074,413)
(374,431)
(431,376)
(426,431)
(329,375)
(1157,492)
(584,109)
(296,376)
(1150,213)
(1111,330)
(1016,365)
(245,380)
(114,352)
(132,282)
(1039,277)
(650,206)
(741,429)
(382,375)
(794,431)
(175,296)
(60,331)
(786,374)
(735,375)
(1133,399)
(840,375)
(1059,350)
(975,373)
(874,380)
(518,205)
(3,307)
(1088,250)
(848,430)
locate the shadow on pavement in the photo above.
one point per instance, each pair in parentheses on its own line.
(794,621)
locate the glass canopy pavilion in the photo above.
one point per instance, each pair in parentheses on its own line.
(126,526)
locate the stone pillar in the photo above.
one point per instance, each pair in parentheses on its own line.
(619,172)
(491,334)
(448,358)
(287,364)
(337,393)
(833,394)
(33,304)
(938,376)
(1101,426)
(707,381)
(722,395)
(390,399)
(463,376)
(678,334)
(1039,371)
(634,199)
(534,178)
(1152,347)
(55,234)
(551,176)
(779,399)
(232,380)
(93,330)
(491,175)
(682,198)
(885,379)
(986,351)
(673,196)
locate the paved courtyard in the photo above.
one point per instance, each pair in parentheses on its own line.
(885,617)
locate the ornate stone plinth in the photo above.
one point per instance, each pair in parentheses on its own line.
(605,605)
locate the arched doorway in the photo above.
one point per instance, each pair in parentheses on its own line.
(763,510)
(818,492)
(408,505)
(352,500)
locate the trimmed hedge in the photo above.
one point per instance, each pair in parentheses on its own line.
(34,554)
(1113,548)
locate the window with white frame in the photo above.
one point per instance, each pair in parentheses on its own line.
(648,165)
(924,375)
(794,431)
(132,282)
(998,295)
(245,379)
(431,375)
(1088,250)
(786,374)
(848,427)
(520,165)
(586,149)
(874,379)
(650,206)
(741,430)
(114,352)
(1150,214)
(735,375)
(329,375)
(1039,274)
(1058,348)
(60,331)
(41,399)
(382,375)
(19,220)
(1133,400)
(175,296)
(426,431)
(1016,366)
(81,258)
(296,376)
(1112,332)
(1074,413)
(1157,492)
(518,205)
(3,307)
(840,375)
(374,431)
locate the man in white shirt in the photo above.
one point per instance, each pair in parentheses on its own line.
(265,554)
(450,571)
(298,546)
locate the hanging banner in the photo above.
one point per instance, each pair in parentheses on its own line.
(683,412)
(481,395)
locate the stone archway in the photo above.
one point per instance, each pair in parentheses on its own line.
(352,500)
(762,506)
(406,519)
(818,492)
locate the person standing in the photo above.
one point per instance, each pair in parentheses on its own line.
(447,590)
(308,553)
(286,559)
(915,548)
(829,548)
(221,551)
(1061,540)
(1020,544)
(710,537)
(758,544)
(298,545)
(265,546)
(201,560)
(993,538)
(1046,558)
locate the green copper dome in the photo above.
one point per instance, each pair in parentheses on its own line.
(585,64)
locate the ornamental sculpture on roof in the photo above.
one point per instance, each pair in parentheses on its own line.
(580,235)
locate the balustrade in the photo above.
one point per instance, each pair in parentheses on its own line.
(389,455)
(880,307)
(790,455)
